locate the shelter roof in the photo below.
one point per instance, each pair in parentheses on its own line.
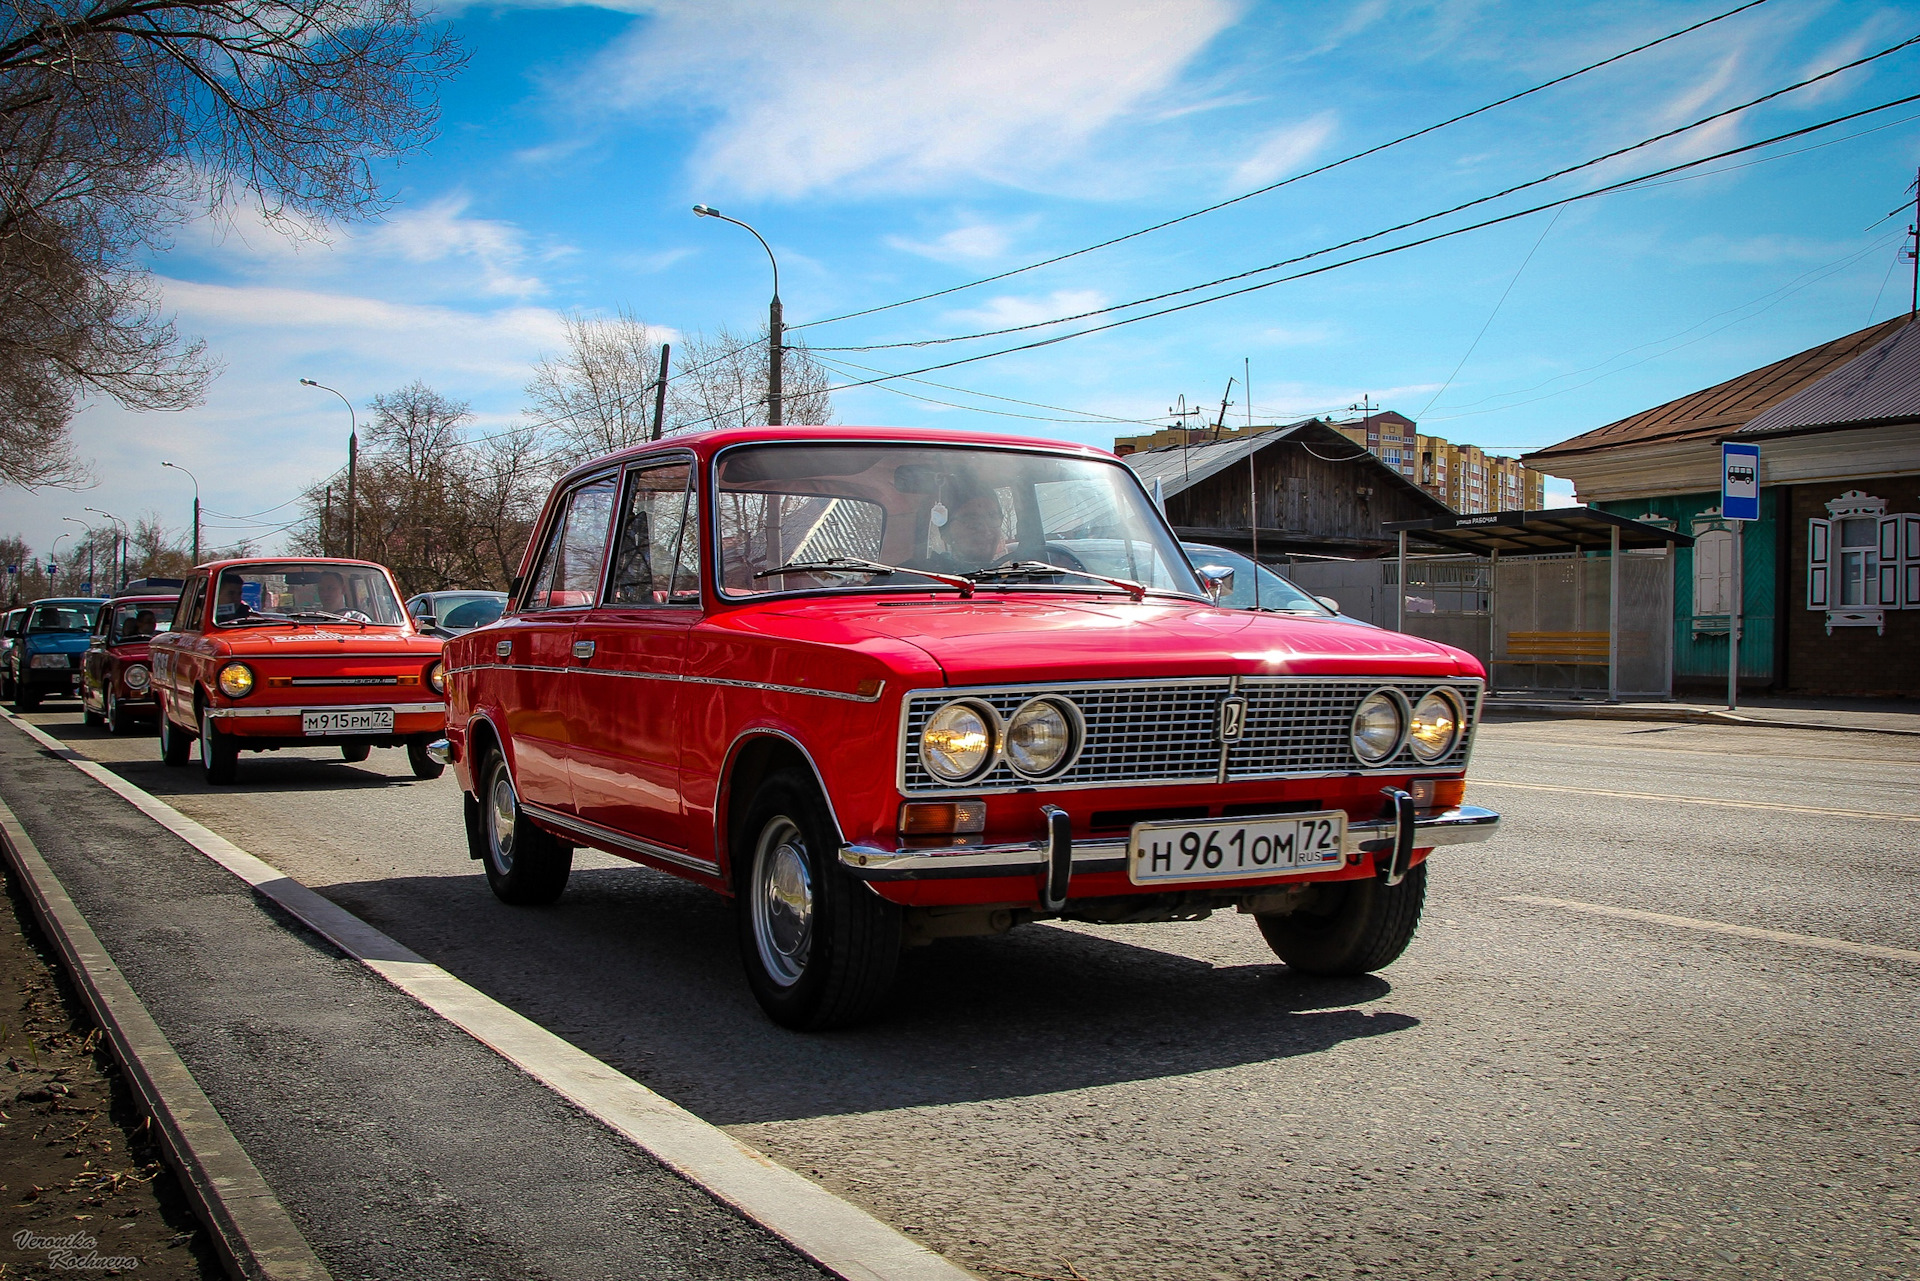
(1724,408)
(1520,533)
(1880,385)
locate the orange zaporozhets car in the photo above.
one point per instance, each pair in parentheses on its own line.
(286,652)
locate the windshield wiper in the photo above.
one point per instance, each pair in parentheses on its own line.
(856,565)
(1136,590)
(255,619)
(324,616)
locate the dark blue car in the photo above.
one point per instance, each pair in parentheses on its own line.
(46,658)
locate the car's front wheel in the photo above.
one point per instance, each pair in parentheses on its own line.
(821,949)
(119,721)
(1349,927)
(219,754)
(173,744)
(525,864)
(25,697)
(354,753)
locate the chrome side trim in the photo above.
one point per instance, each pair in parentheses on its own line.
(398,709)
(609,836)
(1467,825)
(676,678)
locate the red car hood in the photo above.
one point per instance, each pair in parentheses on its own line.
(1008,639)
(330,641)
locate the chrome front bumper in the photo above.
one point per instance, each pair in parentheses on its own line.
(1467,825)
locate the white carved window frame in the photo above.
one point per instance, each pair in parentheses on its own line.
(1861,550)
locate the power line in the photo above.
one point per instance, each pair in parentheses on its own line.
(1475,344)
(1404,226)
(1335,164)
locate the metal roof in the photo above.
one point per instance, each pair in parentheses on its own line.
(1179,467)
(1557,529)
(1716,411)
(1880,385)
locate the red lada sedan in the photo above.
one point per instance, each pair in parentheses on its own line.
(265,654)
(116,686)
(883,687)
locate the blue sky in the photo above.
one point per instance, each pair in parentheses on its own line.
(889,149)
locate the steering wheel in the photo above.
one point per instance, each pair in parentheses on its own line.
(1058,555)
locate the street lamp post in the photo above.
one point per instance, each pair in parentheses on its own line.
(353,466)
(83,524)
(776,323)
(53,561)
(120,534)
(196,507)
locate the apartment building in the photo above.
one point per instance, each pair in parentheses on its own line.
(1465,477)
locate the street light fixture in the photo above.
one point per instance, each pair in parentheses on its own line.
(89,528)
(776,324)
(53,560)
(196,507)
(353,465)
(120,532)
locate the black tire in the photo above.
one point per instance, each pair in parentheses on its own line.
(119,720)
(821,949)
(88,716)
(219,755)
(424,766)
(354,753)
(525,865)
(174,743)
(26,698)
(1351,927)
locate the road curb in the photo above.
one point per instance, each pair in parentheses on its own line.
(1689,715)
(833,1233)
(255,1237)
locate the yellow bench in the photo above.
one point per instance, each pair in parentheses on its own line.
(1574,649)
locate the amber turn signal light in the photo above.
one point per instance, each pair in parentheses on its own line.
(942,818)
(1439,793)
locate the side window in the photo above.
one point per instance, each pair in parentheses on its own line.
(189,619)
(656,559)
(569,572)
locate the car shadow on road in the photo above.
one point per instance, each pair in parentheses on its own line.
(641,970)
(265,772)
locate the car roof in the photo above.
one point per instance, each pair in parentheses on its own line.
(167,599)
(706,444)
(66,600)
(286,560)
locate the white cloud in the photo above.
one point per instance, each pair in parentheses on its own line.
(1007,310)
(1284,151)
(840,94)
(971,242)
(440,230)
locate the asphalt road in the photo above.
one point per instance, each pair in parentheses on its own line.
(1533,1091)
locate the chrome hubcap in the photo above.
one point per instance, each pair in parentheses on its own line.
(782,901)
(501,808)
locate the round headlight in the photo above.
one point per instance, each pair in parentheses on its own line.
(437,676)
(1380,725)
(958,741)
(236,680)
(1436,726)
(1040,737)
(135,676)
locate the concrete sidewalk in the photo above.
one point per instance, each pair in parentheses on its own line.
(400,1146)
(1859,715)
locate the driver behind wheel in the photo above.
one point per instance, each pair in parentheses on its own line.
(974,534)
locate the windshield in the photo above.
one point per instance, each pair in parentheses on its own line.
(139,622)
(66,616)
(1276,593)
(250,595)
(463,613)
(948,510)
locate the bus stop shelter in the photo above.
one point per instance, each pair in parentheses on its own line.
(1549,577)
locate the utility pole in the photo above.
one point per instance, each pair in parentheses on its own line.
(660,391)
(1221,421)
(326,522)
(1913,307)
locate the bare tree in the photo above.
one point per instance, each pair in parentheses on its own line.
(119,119)
(597,394)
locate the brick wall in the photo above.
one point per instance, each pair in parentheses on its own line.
(1853,660)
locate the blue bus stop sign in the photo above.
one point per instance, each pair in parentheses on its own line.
(1739,481)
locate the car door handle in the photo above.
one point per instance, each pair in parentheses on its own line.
(503,649)
(583,650)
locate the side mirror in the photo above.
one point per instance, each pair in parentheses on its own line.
(1329,602)
(425,620)
(1217,579)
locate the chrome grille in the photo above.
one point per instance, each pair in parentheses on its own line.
(1164,731)
(1301,726)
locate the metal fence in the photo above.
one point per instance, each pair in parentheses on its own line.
(1539,623)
